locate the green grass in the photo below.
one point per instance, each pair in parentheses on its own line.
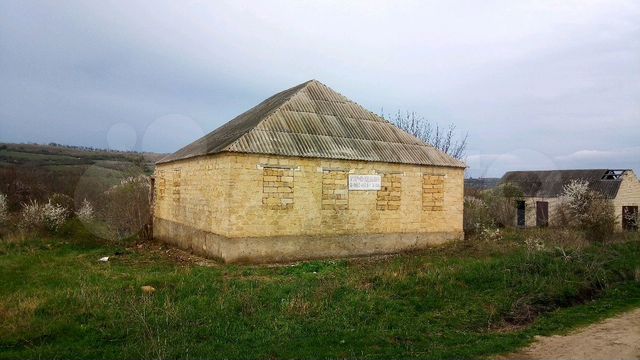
(40,159)
(34,157)
(458,301)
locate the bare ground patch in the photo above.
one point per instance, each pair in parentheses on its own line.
(614,338)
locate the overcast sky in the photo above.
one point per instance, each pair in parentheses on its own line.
(537,85)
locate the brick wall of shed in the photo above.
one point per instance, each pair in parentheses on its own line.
(628,195)
(530,210)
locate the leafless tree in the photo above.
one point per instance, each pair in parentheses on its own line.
(443,139)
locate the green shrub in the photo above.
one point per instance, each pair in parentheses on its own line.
(126,208)
(601,219)
(476,216)
(491,209)
(501,202)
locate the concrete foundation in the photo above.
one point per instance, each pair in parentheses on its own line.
(291,248)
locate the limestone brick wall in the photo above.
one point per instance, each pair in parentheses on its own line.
(433,192)
(390,195)
(245,195)
(323,208)
(335,190)
(277,188)
(194,193)
(628,195)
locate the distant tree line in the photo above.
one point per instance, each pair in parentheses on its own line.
(90,148)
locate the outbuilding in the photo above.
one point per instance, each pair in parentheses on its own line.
(542,191)
(307,174)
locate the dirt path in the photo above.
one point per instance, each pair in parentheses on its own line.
(615,338)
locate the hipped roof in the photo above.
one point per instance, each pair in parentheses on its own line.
(312,120)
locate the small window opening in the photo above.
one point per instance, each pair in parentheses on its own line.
(613,174)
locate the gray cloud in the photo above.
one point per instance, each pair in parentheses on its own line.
(536,84)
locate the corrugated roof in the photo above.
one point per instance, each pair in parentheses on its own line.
(312,120)
(550,183)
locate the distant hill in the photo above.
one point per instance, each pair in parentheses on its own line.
(480,183)
(57,154)
(34,171)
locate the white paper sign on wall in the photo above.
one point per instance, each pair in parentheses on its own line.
(365,182)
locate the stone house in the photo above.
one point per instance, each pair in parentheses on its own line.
(542,191)
(307,174)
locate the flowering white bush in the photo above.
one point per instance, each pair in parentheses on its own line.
(3,208)
(587,210)
(142,181)
(85,212)
(54,216)
(31,215)
(37,216)
(576,198)
(65,201)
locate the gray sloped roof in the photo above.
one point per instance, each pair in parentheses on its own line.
(550,183)
(312,120)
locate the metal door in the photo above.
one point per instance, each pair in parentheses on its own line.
(542,213)
(520,204)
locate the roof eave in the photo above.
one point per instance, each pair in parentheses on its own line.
(461,164)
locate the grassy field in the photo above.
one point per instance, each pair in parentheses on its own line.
(470,299)
(39,154)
